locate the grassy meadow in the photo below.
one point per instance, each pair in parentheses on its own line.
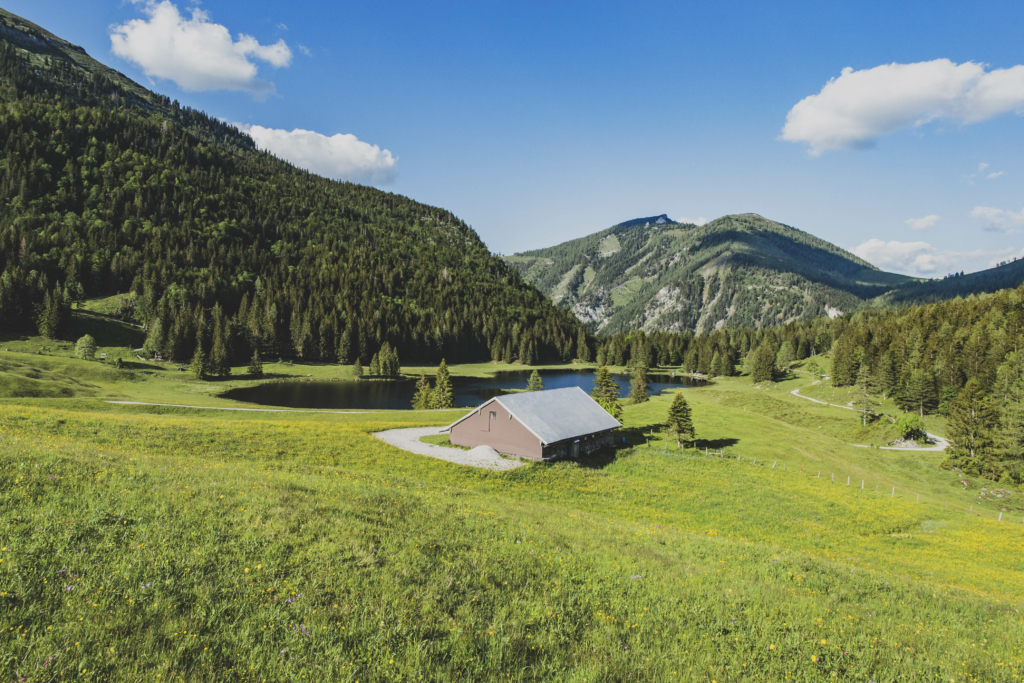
(165,544)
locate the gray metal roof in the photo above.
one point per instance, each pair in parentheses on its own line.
(557,414)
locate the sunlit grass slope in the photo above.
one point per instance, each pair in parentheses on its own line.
(272,547)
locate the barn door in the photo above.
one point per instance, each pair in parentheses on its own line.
(574,451)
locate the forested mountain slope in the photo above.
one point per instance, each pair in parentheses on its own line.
(656,274)
(106,187)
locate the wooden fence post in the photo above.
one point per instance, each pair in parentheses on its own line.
(774,464)
(861,484)
(848,480)
(919,498)
(819,474)
(893,491)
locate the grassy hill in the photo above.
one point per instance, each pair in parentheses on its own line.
(230,546)
(743,270)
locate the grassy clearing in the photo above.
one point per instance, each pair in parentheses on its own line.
(145,541)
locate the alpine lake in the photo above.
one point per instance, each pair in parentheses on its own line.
(397,394)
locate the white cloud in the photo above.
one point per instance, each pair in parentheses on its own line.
(982,166)
(999,220)
(854,110)
(922,259)
(195,53)
(918,258)
(922,223)
(341,157)
(305,50)
(695,221)
(994,175)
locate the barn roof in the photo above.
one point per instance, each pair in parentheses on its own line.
(555,415)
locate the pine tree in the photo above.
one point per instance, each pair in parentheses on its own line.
(199,367)
(972,422)
(920,394)
(888,375)
(606,392)
(845,362)
(638,386)
(255,365)
(582,348)
(680,420)
(1010,399)
(535,383)
(85,347)
(357,369)
(345,348)
(785,357)
(866,384)
(763,364)
(443,397)
(220,363)
(716,365)
(421,400)
(375,366)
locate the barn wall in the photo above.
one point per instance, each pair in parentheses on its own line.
(502,434)
(588,444)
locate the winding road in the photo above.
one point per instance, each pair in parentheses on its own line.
(940,443)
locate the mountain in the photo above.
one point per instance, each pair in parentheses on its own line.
(106,187)
(656,274)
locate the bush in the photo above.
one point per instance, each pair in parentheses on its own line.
(910,427)
(85,348)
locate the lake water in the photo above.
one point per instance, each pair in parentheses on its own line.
(397,394)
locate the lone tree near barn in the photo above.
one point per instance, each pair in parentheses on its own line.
(680,419)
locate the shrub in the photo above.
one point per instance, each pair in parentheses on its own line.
(910,427)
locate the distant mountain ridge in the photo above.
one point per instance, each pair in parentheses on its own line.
(656,274)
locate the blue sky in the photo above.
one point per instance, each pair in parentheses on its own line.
(541,122)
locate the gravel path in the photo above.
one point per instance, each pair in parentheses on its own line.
(483,457)
(940,443)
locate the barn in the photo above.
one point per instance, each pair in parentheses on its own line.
(538,424)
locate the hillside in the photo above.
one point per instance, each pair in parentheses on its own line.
(742,270)
(209,545)
(106,187)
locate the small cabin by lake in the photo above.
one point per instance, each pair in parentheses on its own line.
(537,424)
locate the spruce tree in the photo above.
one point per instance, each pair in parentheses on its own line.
(920,394)
(582,348)
(785,357)
(866,385)
(255,369)
(606,392)
(357,369)
(421,400)
(972,422)
(638,387)
(717,369)
(535,383)
(443,397)
(220,363)
(345,348)
(375,366)
(199,367)
(680,420)
(763,364)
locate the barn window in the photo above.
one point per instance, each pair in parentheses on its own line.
(494,415)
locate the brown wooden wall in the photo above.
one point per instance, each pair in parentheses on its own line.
(502,434)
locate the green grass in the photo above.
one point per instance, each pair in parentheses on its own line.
(126,534)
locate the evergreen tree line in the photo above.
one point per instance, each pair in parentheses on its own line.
(229,251)
(961,358)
